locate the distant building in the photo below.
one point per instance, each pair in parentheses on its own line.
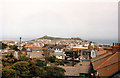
(93,54)
(34,48)
(16,54)
(37,55)
(59,55)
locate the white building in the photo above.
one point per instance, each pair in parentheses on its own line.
(93,53)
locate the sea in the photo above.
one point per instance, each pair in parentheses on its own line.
(106,42)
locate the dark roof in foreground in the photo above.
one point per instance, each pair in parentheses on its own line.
(77,69)
(108,65)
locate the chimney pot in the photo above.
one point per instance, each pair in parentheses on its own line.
(117,44)
(113,44)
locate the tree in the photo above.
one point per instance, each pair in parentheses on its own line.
(11,55)
(54,72)
(9,60)
(3,45)
(46,54)
(52,59)
(21,68)
(5,64)
(36,71)
(23,49)
(72,54)
(8,73)
(69,53)
(60,62)
(40,63)
(23,58)
(14,47)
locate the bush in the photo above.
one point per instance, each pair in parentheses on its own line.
(66,61)
(21,68)
(23,58)
(54,72)
(52,59)
(14,47)
(61,63)
(40,63)
(36,71)
(3,46)
(5,64)
(8,73)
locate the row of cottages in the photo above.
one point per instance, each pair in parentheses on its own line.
(82,69)
(38,52)
(107,65)
(33,49)
(34,52)
(58,50)
(9,42)
(99,51)
(96,52)
(86,53)
(83,52)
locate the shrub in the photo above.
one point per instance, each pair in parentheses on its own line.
(22,68)
(8,73)
(54,72)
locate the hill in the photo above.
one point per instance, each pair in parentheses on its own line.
(57,38)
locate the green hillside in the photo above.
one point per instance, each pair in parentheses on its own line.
(58,38)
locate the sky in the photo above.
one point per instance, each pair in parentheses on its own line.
(87,19)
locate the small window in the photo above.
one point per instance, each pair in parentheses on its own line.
(84,75)
(93,53)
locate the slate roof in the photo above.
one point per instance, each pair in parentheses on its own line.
(77,69)
(34,47)
(36,55)
(55,46)
(107,64)
(101,51)
(59,53)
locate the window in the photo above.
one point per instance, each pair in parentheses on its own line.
(93,53)
(84,75)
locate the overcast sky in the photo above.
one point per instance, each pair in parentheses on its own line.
(87,19)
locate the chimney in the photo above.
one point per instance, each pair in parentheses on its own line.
(113,44)
(117,44)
